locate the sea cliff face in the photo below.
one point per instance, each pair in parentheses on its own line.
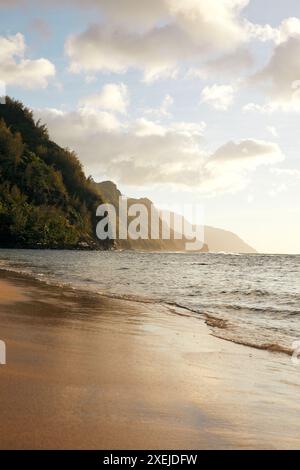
(111,194)
(216,240)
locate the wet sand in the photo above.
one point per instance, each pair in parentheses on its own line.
(89,372)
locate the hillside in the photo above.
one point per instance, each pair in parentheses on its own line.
(225,241)
(45,199)
(216,240)
(111,194)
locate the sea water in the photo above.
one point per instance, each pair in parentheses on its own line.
(250,299)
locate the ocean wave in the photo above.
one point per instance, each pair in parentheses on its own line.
(231,314)
(267,310)
(271,347)
(248,293)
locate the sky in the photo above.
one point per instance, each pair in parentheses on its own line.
(181,101)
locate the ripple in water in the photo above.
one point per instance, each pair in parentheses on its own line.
(249,299)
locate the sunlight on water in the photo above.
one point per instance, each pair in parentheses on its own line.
(251,299)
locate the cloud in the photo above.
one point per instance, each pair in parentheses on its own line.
(277,189)
(167,34)
(113,97)
(106,50)
(15,69)
(284,179)
(142,151)
(267,108)
(189,129)
(163,109)
(279,79)
(166,104)
(232,164)
(144,127)
(289,27)
(129,13)
(162,36)
(71,128)
(227,65)
(286,172)
(273,131)
(248,153)
(219,97)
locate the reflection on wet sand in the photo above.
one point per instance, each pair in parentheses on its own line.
(86,371)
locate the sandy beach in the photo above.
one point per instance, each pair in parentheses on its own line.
(89,372)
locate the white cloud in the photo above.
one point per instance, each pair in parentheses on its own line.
(113,97)
(90,79)
(234,162)
(71,128)
(286,172)
(267,108)
(15,69)
(289,27)
(262,32)
(146,152)
(227,65)
(219,97)
(277,189)
(279,79)
(129,13)
(248,153)
(273,131)
(285,179)
(166,104)
(189,129)
(144,128)
(163,109)
(156,37)
(11,46)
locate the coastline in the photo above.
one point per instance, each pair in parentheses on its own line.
(88,372)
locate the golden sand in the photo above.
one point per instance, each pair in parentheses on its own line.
(88,372)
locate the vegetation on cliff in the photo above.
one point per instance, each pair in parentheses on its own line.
(45,198)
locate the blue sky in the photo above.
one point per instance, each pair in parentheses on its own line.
(167,107)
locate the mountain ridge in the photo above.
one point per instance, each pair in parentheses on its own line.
(215,239)
(111,194)
(46,201)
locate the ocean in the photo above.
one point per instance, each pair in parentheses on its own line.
(249,299)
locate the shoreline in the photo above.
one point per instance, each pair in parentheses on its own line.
(215,323)
(91,372)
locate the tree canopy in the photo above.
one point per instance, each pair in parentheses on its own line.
(45,198)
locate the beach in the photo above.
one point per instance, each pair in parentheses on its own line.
(86,371)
